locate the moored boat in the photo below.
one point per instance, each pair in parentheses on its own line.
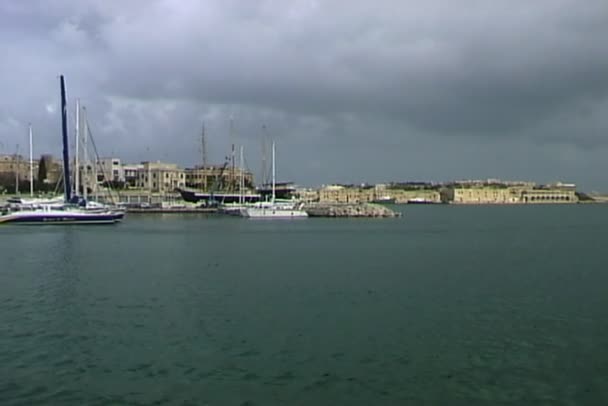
(72,210)
(274,209)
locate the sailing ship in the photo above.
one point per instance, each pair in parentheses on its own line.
(73,209)
(274,209)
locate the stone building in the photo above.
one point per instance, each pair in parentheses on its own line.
(510,195)
(110,170)
(223,177)
(483,195)
(160,177)
(130,173)
(549,196)
(16,169)
(345,194)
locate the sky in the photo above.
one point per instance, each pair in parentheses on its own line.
(350,92)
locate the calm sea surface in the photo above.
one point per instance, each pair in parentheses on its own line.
(444,306)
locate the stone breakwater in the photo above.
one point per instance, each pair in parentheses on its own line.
(349,210)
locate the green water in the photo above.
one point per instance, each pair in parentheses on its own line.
(444,306)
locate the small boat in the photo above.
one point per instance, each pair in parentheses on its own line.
(274,209)
(420,200)
(35,200)
(72,210)
(62,214)
(384,200)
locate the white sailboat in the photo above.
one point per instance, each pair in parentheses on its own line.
(274,209)
(235,208)
(55,212)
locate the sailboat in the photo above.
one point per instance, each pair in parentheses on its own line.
(244,200)
(274,209)
(72,210)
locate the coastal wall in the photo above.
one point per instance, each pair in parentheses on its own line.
(508,195)
(343,194)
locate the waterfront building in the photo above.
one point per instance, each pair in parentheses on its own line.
(564,193)
(346,194)
(219,177)
(110,170)
(160,177)
(549,196)
(483,195)
(130,173)
(307,195)
(15,168)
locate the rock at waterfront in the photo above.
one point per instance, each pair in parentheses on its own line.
(349,210)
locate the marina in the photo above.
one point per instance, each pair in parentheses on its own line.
(303,203)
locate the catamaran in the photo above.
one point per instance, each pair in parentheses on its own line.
(72,210)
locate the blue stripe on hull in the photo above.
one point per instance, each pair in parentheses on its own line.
(65,220)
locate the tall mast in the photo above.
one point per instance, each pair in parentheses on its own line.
(17,163)
(66,156)
(264,158)
(204,147)
(273,173)
(76,162)
(241,178)
(232,153)
(85,137)
(31,164)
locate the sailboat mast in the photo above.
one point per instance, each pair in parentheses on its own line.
(232,155)
(76,162)
(264,158)
(66,155)
(241,178)
(18,166)
(31,164)
(273,174)
(204,147)
(85,183)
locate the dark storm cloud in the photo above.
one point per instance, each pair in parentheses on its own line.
(342,82)
(477,68)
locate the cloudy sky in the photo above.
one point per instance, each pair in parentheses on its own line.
(350,91)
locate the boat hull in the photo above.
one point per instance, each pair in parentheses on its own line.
(60,218)
(192,196)
(272,213)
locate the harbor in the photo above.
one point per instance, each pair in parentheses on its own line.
(303,203)
(100,190)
